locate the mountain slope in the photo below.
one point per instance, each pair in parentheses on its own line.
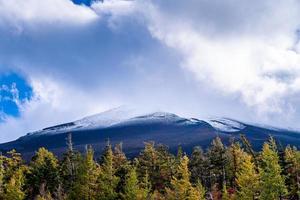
(118,125)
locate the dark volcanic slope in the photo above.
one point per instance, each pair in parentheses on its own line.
(165,128)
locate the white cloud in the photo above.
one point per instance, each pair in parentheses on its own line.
(53,103)
(193,57)
(253,56)
(15,13)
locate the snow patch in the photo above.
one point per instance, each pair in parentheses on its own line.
(226,125)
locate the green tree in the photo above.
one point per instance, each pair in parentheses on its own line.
(217,162)
(247,179)
(85,185)
(107,180)
(131,189)
(292,160)
(43,170)
(181,188)
(2,173)
(147,163)
(272,183)
(121,167)
(69,166)
(165,168)
(199,167)
(235,158)
(13,189)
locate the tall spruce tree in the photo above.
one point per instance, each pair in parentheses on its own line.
(131,188)
(292,160)
(147,163)
(14,188)
(43,170)
(199,167)
(69,166)
(235,157)
(107,180)
(121,167)
(2,173)
(181,187)
(272,183)
(247,179)
(217,162)
(85,185)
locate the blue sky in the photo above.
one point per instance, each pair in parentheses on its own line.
(14,90)
(196,58)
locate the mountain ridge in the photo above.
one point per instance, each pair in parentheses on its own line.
(133,129)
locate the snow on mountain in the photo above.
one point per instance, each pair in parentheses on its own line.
(116,117)
(156,117)
(226,125)
(123,116)
(107,118)
(101,120)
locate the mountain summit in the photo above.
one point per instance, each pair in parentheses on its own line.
(133,129)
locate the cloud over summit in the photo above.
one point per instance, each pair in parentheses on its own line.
(194,57)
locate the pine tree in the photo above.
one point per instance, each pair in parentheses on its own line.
(107,180)
(200,190)
(121,167)
(69,166)
(44,194)
(85,185)
(165,168)
(181,188)
(2,173)
(217,161)
(235,158)
(131,189)
(199,167)
(147,163)
(43,170)
(13,189)
(145,187)
(292,160)
(13,162)
(272,183)
(247,179)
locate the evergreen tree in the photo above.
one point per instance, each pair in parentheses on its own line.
(44,194)
(200,190)
(272,183)
(85,185)
(145,187)
(199,167)
(43,170)
(217,162)
(107,181)
(131,189)
(69,166)
(12,163)
(2,173)
(235,158)
(13,189)
(181,188)
(121,167)
(247,179)
(292,160)
(147,163)
(165,168)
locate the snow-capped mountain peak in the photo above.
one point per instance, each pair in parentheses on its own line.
(226,125)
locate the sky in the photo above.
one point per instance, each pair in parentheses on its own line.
(62,60)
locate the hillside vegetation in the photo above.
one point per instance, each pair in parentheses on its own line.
(220,172)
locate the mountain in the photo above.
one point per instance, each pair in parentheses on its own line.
(133,129)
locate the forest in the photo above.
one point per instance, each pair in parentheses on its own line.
(230,172)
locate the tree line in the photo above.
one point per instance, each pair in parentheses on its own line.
(230,172)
